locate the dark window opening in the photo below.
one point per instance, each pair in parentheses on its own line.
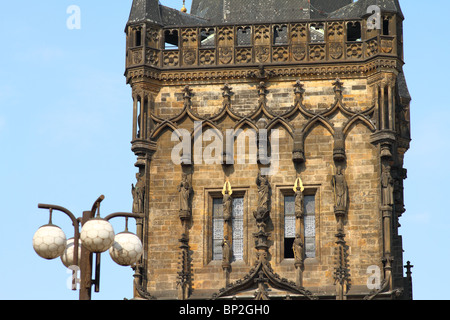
(385,27)
(288,252)
(171,39)
(244,36)
(280,35)
(138,38)
(386,108)
(289,226)
(354,31)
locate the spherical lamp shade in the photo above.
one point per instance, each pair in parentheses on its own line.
(67,257)
(49,242)
(97,235)
(126,249)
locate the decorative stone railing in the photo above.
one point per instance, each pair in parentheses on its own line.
(246,45)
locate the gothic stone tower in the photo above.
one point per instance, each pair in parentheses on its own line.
(316,92)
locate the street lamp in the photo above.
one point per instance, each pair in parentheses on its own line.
(96,236)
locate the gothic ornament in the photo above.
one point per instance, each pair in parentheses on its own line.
(262,212)
(299,198)
(336,50)
(262,273)
(387,186)
(339,145)
(227,201)
(297,248)
(340,190)
(226,252)
(138,193)
(185,190)
(299,51)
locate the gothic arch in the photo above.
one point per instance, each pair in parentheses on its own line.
(282,122)
(166,124)
(206,123)
(358,118)
(243,122)
(319,120)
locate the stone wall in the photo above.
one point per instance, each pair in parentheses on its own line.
(362,226)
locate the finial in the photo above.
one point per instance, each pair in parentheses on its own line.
(183,9)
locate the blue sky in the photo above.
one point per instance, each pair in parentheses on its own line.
(65,132)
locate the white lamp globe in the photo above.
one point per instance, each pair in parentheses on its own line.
(126,249)
(49,241)
(97,235)
(67,257)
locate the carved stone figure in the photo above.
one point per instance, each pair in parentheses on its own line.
(263,191)
(340,190)
(297,248)
(387,186)
(138,193)
(185,191)
(299,202)
(227,205)
(226,251)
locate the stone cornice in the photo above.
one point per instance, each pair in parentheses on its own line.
(310,71)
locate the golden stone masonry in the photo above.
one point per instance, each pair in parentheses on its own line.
(325,224)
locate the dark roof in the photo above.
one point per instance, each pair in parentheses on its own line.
(145,11)
(174,17)
(322,8)
(152,11)
(216,12)
(403,87)
(250,11)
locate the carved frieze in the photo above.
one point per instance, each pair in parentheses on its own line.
(262,54)
(243,55)
(171,58)
(299,51)
(371,48)
(354,51)
(336,50)
(317,52)
(280,54)
(225,55)
(189,57)
(152,57)
(207,57)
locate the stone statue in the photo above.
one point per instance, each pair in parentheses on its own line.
(185,191)
(387,186)
(226,251)
(262,213)
(299,201)
(138,193)
(340,190)
(297,248)
(227,205)
(263,191)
